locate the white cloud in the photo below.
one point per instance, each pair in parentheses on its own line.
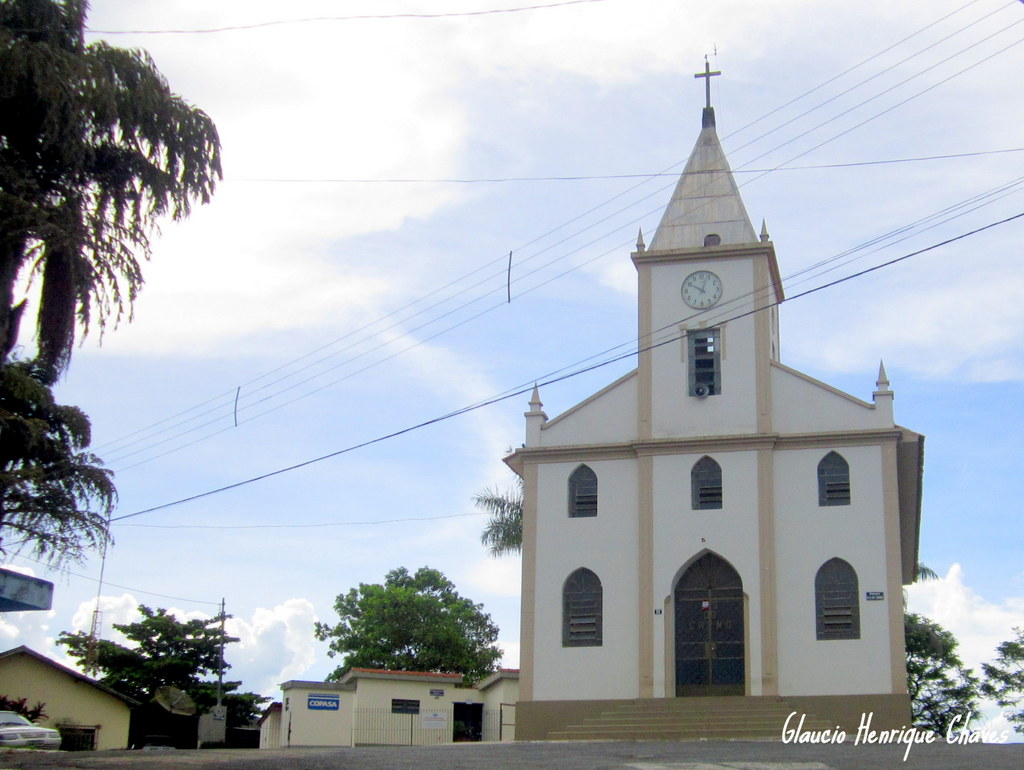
(275,645)
(501,577)
(978,625)
(510,650)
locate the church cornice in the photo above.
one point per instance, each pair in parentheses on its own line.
(702,445)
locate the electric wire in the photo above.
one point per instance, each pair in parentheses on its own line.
(494,306)
(116,585)
(445,314)
(358,17)
(599,177)
(879,74)
(321,525)
(857,66)
(497,399)
(813,89)
(479,282)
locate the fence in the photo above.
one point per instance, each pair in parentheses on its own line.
(382,727)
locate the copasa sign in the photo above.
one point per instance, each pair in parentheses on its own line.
(321,702)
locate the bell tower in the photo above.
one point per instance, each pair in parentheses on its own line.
(705,348)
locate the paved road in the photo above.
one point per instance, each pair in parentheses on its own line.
(624,755)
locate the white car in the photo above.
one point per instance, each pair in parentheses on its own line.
(18,732)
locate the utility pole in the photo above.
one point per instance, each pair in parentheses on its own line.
(220,667)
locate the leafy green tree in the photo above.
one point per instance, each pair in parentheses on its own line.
(94,149)
(55,496)
(940,687)
(503,533)
(1004,678)
(167,651)
(411,623)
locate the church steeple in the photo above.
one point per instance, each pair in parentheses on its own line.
(706,201)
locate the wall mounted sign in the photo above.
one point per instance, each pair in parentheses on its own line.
(321,702)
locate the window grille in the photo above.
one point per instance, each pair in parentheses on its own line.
(582,493)
(706,484)
(582,600)
(836,601)
(833,480)
(703,349)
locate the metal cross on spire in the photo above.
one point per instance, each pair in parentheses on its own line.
(707,74)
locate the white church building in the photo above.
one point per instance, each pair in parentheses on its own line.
(714,530)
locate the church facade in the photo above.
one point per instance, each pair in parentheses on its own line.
(715,523)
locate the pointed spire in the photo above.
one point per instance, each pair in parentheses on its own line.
(883,397)
(640,245)
(706,200)
(882,383)
(764,231)
(535,419)
(535,402)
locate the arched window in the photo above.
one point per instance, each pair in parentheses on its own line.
(582,493)
(836,601)
(833,480)
(581,609)
(706,484)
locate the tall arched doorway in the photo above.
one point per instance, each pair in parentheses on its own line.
(709,629)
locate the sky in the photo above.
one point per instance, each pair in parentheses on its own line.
(350,280)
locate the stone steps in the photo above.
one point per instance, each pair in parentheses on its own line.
(705,718)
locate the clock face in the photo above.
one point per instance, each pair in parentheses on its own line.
(702,289)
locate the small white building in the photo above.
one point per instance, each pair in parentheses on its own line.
(715,523)
(369,707)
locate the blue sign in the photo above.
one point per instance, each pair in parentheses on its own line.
(318,702)
(876,596)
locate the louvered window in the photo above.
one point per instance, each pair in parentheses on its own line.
(836,601)
(582,610)
(833,480)
(706,484)
(702,348)
(582,493)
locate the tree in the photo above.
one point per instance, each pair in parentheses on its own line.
(55,497)
(1004,678)
(94,149)
(411,623)
(940,687)
(504,531)
(167,651)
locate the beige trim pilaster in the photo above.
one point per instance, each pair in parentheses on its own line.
(766,558)
(645,576)
(645,361)
(528,600)
(893,566)
(762,347)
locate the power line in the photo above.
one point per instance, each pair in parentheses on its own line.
(219,406)
(126,588)
(359,17)
(990,196)
(857,66)
(522,391)
(308,526)
(875,76)
(598,177)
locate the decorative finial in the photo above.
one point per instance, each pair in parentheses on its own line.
(764,230)
(708,118)
(535,402)
(640,245)
(882,383)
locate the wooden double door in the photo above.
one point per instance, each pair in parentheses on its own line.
(709,629)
